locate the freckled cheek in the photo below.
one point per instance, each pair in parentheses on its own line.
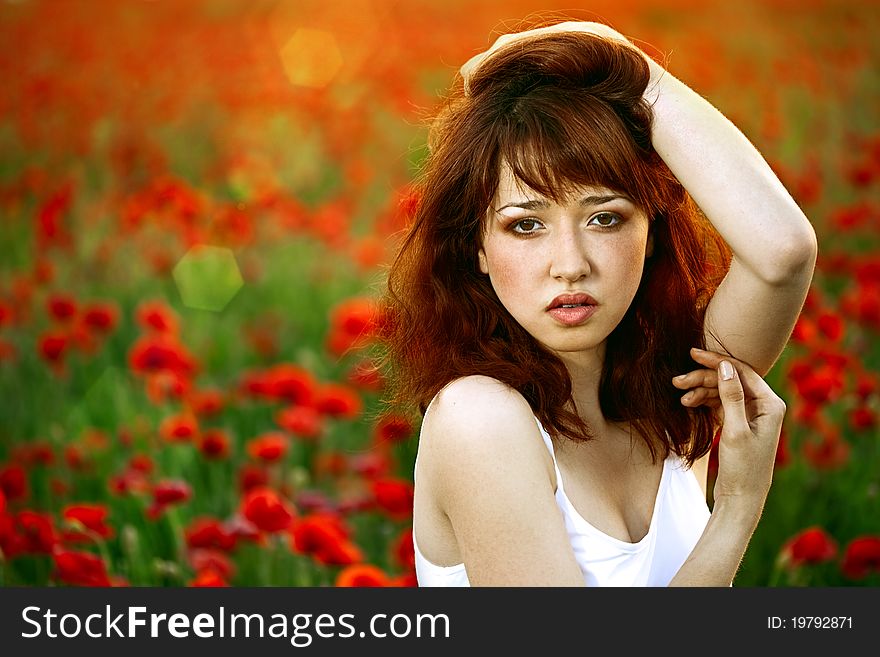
(509,273)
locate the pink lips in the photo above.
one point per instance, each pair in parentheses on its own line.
(580,308)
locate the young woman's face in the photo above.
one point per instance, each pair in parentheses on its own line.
(592,248)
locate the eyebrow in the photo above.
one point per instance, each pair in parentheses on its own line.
(585,201)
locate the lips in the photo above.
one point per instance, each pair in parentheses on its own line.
(572,309)
(573,300)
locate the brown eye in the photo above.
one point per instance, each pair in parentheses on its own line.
(525,226)
(606,219)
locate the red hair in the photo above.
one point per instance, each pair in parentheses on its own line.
(563,111)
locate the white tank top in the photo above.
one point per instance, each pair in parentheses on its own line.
(680,515)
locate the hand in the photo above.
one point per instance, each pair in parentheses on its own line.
(702,383)
(751,423)
(597,29)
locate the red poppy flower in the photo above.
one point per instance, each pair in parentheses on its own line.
(171,491)
(153,353)
(167,384)
(52,346)
(7,317)
(267,510)
(209,578)
(207,532)
(268,447)
(805,330)
(362,575)
(394,496)
(866,385)
(810,546)
(862,418)
(392,428)
(80,568)
(861,556)
(831,325)
(61,307)
(337,400)
(92,517)
(141,463)
(252,476)
(179,428)
(35,453)
(407,579)
(37,530)
(302,421)
(50,229)
(14,482)
(290,383)
(101,317)
(157,316)
(403,549)
(2,502)
(166,493)
(214,444)
(325,537)
(207,402)
(353,323)
(209,559)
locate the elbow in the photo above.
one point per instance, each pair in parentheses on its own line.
(796,259)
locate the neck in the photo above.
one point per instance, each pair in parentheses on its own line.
(585,370)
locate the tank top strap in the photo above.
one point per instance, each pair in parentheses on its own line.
(549,443)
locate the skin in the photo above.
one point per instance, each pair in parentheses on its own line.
(498,515)
(533,255)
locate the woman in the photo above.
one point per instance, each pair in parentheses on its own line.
(577,210)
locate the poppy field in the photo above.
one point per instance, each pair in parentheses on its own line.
(197,204)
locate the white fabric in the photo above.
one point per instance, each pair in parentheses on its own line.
(680,515)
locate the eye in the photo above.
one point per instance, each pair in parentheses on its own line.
(603,217)
(525,226)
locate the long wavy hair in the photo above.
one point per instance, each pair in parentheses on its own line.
(563,111)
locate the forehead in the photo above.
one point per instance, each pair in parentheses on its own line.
(511,189)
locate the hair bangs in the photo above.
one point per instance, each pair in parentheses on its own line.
(557,141)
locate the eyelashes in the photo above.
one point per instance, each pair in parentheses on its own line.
(531,226)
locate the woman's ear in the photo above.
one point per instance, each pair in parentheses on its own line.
(484,265)
(649,248)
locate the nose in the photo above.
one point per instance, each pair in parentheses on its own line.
(569,259)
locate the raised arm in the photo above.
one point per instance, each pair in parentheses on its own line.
(774,245)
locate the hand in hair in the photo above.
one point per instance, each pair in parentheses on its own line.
(597,29)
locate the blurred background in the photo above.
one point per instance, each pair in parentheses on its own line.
(197,199)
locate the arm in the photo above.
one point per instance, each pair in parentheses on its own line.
(774,246)
(487,469)
(752,416)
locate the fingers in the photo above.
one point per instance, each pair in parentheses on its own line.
(730,391)
(701,397)
(753,385)
(702,387)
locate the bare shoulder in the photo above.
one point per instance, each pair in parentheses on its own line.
(477,423)
(485,470)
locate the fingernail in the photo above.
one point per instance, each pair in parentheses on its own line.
(726,370)
(680,377)
(698,350)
